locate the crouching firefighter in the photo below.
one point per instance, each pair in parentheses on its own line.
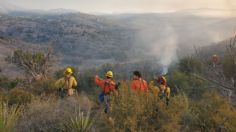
(164,90)
(108,86)
(67,84)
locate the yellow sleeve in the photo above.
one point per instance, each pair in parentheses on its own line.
(154,89)
(59,83)
(72,83)
(168,92)
(75,83)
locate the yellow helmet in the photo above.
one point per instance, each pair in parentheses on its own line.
(109,74)
(68,71)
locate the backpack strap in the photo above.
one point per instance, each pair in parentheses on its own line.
(66,80)
(107,84)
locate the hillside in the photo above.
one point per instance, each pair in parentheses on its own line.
(74,72)
(86,40)
(72,35)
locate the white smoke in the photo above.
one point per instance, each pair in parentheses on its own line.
(166,50)
(169,47)
(160,40)
(164,70)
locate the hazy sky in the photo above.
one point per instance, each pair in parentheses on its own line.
(120,6)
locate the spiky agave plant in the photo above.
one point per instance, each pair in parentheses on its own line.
(8,117)
(79,122)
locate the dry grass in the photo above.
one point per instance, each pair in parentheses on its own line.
(79,121)
(133,111)
(137,112)
(51,114)
(9,117)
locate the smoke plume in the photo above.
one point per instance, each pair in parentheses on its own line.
(162,44)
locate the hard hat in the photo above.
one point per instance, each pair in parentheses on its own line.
(68,71)
(109,74)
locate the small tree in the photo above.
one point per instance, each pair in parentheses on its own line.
(36,65)
(231,57)
(222,76)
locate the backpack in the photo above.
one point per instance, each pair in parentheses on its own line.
(107,87)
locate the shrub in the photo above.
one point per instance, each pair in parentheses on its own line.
(35,64)
(9,117)
(7,83)
(211,113)
(86,82)
(41,115)
(51,114)
(133,111)
(19,96)
(190,65)
(78,122)
(229,67)
(191,86)
(43,87)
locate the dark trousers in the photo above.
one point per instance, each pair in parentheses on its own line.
(62,92)
(107,101)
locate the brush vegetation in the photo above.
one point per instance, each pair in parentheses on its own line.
(197,103)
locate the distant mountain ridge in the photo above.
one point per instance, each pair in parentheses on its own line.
(210,12)
(88,40)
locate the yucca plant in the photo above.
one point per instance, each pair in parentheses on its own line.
(79,122)
(8,117)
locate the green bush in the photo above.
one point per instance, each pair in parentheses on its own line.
(86,83)
(19,96)
(35,64)
(190,65)
(188,84)
(229,67)
(43,87)
(211,113)
(7,83)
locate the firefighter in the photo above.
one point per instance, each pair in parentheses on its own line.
(139,84)
(67,84)
(108,86)
(164,90)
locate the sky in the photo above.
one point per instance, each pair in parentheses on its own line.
(124,6)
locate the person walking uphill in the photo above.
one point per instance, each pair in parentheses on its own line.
(67,84)
(138,84)
(108,86)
